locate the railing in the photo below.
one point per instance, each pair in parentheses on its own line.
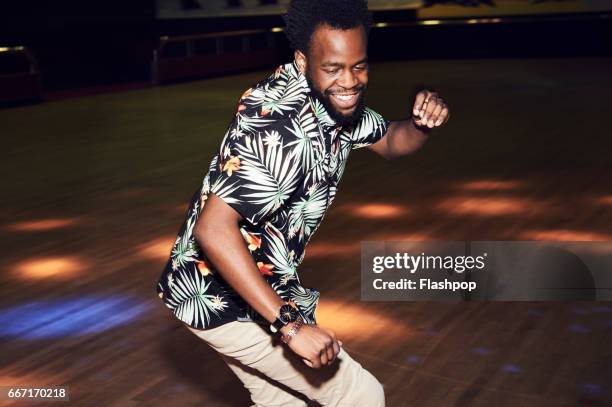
(193,56)
(20,78)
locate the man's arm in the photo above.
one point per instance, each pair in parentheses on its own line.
(218,235)
(406,136)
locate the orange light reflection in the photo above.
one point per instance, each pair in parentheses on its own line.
(488,206)
(158,249)
(407,237)
(331,249)
(490,184)
(565,235)
(42,225)
(605,200)
(350,320)
(182,209)
(50,268)
(377,211)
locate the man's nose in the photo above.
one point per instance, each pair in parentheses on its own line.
(348,79)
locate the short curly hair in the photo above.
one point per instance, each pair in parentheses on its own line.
(304,16)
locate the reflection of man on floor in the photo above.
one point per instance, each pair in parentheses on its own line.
(232,276)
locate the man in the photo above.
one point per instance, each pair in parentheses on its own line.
(232,276)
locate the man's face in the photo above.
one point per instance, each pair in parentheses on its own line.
(337,71)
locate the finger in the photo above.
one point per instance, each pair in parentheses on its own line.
(444,116)
(340,343)
(436,114)
(331,354)
(315,362)
(418,121)
(336,346)
(323,357)
(429,110)
(418,103)
(426,102)
(333,345)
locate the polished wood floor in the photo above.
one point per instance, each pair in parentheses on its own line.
(94,190)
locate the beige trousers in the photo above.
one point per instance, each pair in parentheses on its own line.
(275,376)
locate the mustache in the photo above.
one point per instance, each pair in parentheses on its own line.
(357,89)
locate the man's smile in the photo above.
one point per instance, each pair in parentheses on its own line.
(346,100)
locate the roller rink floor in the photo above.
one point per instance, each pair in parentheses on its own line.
(95,189)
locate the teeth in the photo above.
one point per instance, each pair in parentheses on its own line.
(344,97)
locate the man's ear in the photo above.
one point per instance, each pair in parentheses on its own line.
(300,58)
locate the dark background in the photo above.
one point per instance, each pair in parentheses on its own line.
(83,43)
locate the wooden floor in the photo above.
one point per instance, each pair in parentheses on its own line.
(94,190)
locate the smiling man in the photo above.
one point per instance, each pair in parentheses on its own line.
(232,276)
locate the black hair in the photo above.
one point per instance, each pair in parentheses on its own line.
(304,16)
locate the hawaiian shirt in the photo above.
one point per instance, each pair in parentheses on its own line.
(279,166)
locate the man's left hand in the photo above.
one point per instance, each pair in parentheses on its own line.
(429,110)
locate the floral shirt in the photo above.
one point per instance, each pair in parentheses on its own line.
(279,166)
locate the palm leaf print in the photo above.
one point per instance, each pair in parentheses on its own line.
(224,188)
(320,112)
(280,286)
(271,174)
(278,253)
(308,212)
(283,95)
(371,125)
(308,143)
(189,299)
(185,248)
(246,124)
(306,300)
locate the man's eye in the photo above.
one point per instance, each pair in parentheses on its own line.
(332,71)
(361,67)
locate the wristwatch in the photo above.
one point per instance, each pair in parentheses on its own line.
(286,315)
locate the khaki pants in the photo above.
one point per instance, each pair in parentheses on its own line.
(271,372)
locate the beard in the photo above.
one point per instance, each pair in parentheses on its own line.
(325,99)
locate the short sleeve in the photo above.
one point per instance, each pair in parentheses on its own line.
(257,174)
(370,129)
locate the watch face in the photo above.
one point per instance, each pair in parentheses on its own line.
(288,314)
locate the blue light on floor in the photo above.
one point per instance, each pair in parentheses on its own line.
(511,368)
(414,359)
(580,329)
(594,389)
(482,351)
(580,311)
(75,316)
(535,313)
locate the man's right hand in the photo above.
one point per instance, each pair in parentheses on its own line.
(317,346)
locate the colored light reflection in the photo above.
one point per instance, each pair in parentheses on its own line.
(605,200)
(564,235)
(41,225)
(331,249)
(511,368)
(60,268)
(158,249)
(349,320)
(409,237)
(482,351)
(377,211)
(490,185)
(488,206)
(69,317)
